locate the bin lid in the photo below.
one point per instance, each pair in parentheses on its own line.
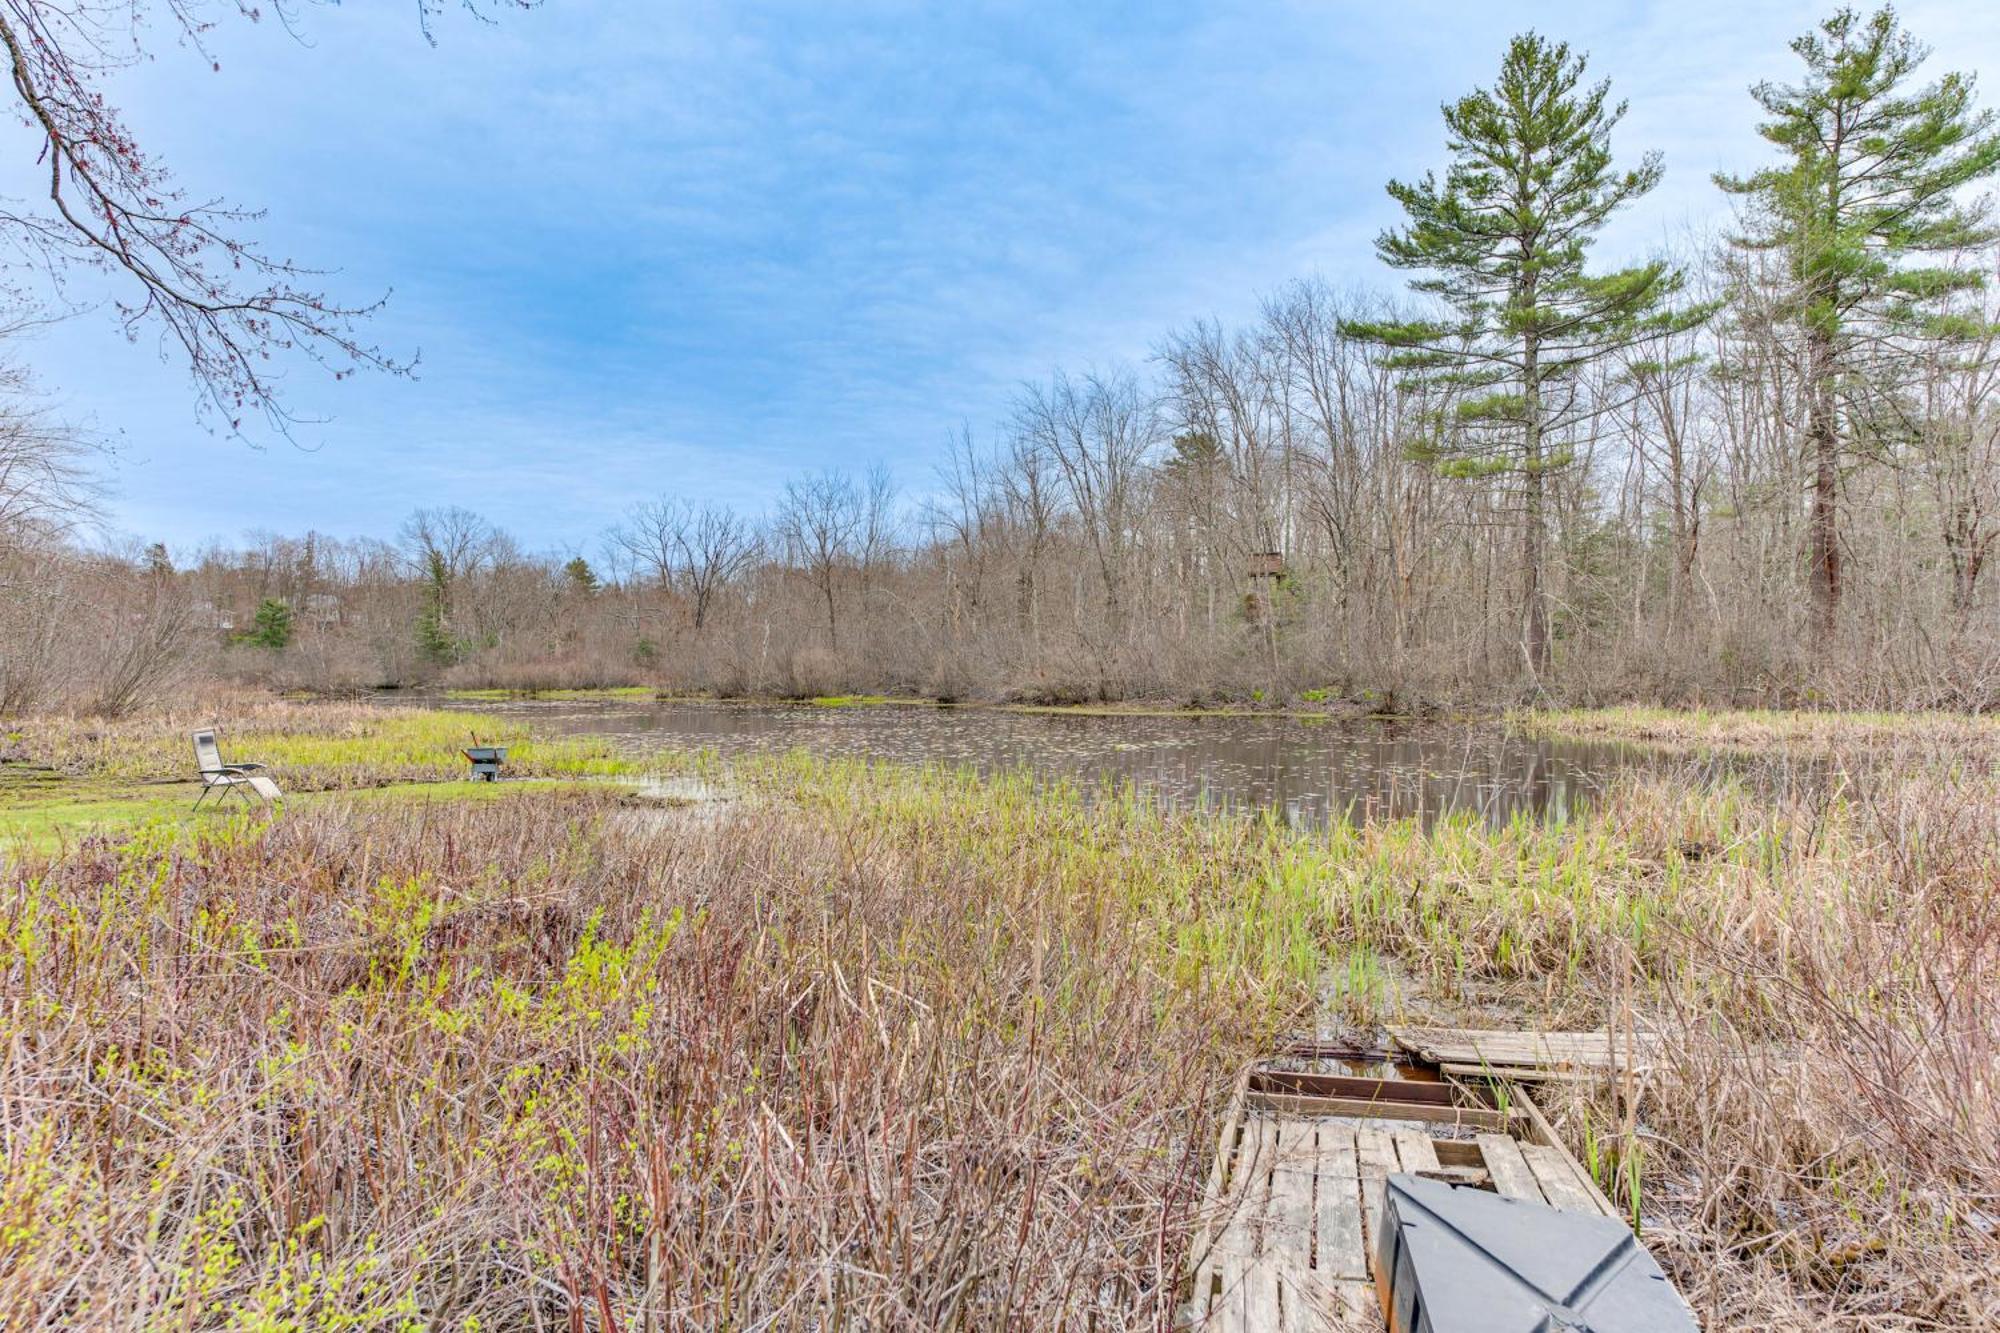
(1471,1259)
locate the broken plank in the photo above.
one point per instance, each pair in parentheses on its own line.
(1558,1175)
(1541,1131)
(1414,1151)
(1508,1168)
(1482,1048)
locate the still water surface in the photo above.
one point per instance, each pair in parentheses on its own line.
(1308,772)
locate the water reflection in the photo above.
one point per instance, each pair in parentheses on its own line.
(1308,772)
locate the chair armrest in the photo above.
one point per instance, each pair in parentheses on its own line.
(243,768)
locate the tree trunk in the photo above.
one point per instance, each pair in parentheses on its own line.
(1823,533)
(1535,637)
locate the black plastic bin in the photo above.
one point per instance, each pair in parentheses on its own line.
(1459,1259)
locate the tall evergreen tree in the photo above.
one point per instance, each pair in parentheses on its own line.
(1872,178)
(1503,239)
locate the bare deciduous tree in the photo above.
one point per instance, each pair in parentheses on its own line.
(694,550)
(1098,431)
(184,264)
(821,520)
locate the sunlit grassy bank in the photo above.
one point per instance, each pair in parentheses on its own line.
(889,1047)
(309,746)
(69,776)
(43,814)
(1759,729)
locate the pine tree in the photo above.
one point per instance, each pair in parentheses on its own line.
(434,637)
(271,627)
(581,577)
(1872,175)
(1503,239)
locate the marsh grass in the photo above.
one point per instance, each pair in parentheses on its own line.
(844,1054)
(875,1046)
(1760,730)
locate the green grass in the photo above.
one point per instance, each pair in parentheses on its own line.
(73,808)
(81,776)
(311,747)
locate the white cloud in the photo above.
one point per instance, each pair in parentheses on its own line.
(692,246)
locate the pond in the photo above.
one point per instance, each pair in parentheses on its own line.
(1307,771)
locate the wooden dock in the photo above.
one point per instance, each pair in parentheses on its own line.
(1528,1056)
(1293,1251)
(1297,1185)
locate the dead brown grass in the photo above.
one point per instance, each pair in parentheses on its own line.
(885,1048)
(566,1064)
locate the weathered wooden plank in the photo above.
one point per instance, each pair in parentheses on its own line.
(1377,1152)
(1227,1315)
(1342,1243)
(1508,1168)
(1486,1048)
(1216,1198)
(1414,1151)
(1288,1243)
(1458,1152)
(1541,1131)
(1260,1137)
(1559,1176)
(1237,1239)
(1347,1085)
(1337,1155)
(1532,1073)
(1298,1104)
(1260,1297)
(1298,1302)
(1353,1306)
(1314,1305)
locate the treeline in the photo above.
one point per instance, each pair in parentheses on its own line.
(1766,471)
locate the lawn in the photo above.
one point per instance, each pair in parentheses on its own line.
(68,776)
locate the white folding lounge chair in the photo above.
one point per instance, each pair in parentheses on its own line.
(219,779)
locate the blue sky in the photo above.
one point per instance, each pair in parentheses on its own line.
(688,248)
